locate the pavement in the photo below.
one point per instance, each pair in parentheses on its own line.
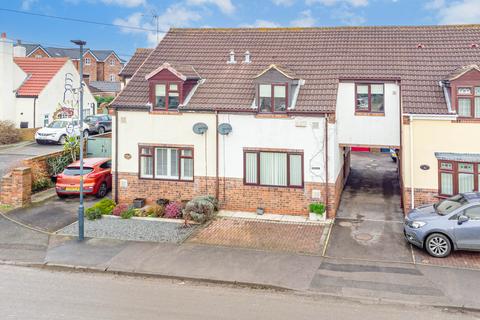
(11,156)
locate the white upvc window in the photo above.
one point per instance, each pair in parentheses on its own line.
(87,61)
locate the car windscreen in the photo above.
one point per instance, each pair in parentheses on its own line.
(91,119)
(75,171)
(449,205)
(57,124)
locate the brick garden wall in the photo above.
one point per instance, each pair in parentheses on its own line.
(422,196)
(16,187)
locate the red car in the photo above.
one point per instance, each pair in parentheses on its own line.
(97,178)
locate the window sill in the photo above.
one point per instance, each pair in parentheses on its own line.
(272,187)
(369,114)
(165,112)
(271,116)
(165,180)
(466,120)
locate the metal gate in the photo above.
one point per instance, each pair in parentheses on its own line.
(99,146)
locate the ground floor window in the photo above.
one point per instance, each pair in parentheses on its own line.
(167,163)
(458,177)
(271,168)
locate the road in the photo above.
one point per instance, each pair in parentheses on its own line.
(11,157)
(29,293)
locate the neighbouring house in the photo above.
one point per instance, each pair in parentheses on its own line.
(266,118)
(99,65)
(35,91)
(104,88)
(140,55)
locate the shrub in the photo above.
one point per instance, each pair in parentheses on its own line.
(200,209)
(72,147)
(139,213)
(117,211)
(40,178)
(173,210)
(317,207)
(56,165)
(127,214)
(105,206)
(210,199)
(93,214)
(155,211)
(8,133)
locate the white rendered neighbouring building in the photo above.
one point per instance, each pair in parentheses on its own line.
(34,91)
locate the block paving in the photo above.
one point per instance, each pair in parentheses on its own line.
(458,259)
(304,238)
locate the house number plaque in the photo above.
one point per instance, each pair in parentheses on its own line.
(424,167)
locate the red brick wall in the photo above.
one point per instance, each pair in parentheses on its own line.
(38,52)
(422,196)
(92,68)
(108,69)
(235,196)
(16,187)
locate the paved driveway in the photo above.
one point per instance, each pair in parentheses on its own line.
(11,157)
(369,219)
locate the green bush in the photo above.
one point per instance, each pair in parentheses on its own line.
(41,183)
(56,165)
(128,213)
(200,209)
(105,206)
(93,214)
(317,207)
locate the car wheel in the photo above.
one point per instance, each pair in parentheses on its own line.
(101,130)
(61,196)
(102,190)
(63,139)
(438,245)
(86,133)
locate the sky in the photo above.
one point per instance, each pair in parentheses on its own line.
(134,23)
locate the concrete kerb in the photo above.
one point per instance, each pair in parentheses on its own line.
(17,145)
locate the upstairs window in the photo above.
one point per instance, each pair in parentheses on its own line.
(87,61)
(272,97)
(369,98)
(468,102)
(167,96)
(112,62)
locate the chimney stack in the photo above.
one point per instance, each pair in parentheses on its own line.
(4,35)
(232,58)
(19,51)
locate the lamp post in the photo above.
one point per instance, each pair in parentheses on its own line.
(81,43)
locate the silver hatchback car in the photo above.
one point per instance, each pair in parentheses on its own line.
(451,224)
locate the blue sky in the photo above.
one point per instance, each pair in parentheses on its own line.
(213,13)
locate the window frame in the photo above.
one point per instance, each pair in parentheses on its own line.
(470,97)
(258,152)
(113,77)
(112,62)
(369,110)
(272,96)
(88,61)
(167,84)
(153,148)
(455,173)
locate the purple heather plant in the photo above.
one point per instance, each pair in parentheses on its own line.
(173,210)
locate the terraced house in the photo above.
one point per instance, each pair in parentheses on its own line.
(267,118)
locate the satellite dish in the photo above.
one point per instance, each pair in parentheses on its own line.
(200,128)
(224,128)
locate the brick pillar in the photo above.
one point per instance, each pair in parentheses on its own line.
(17,187)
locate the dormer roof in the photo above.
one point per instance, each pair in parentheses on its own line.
(183,72)
(461,71)
(282,69)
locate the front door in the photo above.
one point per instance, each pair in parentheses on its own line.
(468,233)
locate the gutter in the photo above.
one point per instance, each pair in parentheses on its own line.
(445,117)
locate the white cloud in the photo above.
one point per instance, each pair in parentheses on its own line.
(261,24)
(125,3)
(226,6)
(285,3)
(27,4)
(456,12)
(354,3)
(305,20)
(350,18)
(175,16)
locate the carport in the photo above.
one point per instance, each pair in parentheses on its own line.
(369,221)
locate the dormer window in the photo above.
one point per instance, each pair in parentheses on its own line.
(272,97)
(167,96)
(468,102)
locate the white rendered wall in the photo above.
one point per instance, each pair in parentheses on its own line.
(368,130)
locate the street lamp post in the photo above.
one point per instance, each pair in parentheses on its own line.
(81,43)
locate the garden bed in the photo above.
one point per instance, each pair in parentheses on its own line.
(134,229)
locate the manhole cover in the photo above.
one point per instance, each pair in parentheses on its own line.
(345,224)
(363,236)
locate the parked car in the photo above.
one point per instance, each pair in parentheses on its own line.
(58,131)
(99,123)
(97,178)
(450,224)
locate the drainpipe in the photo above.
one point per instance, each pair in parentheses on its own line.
(116,155)
(34,110)
(326,165)
(217,188)
(412,191)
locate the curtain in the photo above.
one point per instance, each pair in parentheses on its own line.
(273,169)
(464,107)
(251,168)
(465,182)
(477,107)
(161,165)
(146,167)
(447,183)
(295,170)
(187,169)
(173,163)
